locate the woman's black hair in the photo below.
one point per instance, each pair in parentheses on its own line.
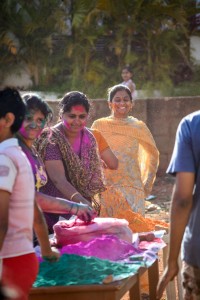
(36,103)
(11,102)
(116,88)
(71,99)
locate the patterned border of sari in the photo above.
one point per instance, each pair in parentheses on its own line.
(84,173)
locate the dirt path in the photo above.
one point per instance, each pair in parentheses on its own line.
(162,191)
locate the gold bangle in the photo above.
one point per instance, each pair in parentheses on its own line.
(74,194)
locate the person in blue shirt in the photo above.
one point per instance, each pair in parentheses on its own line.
(185,209)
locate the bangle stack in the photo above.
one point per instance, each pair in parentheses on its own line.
(74,194)
(77,209)
(72,205)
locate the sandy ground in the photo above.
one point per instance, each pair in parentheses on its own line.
(162,191)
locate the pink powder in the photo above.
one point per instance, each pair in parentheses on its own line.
(105,247)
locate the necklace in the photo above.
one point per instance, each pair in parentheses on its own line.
(36,162)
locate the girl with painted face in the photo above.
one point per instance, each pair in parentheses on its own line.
(70,155)
(38,115)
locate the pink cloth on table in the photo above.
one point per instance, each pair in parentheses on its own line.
(156,244)
(105,247)
(74,231)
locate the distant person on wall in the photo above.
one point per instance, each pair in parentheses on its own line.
(185,210)
(127,80)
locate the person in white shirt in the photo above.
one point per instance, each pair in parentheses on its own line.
(127,81)
(19,213)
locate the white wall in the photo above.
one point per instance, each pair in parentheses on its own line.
(20,79)
(195,48)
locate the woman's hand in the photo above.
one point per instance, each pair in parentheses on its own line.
(84,212)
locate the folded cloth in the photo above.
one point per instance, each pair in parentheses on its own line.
(74,231)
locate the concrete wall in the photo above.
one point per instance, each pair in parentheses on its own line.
(162,116)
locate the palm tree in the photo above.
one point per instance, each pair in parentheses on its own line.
(26,31)
(90,40)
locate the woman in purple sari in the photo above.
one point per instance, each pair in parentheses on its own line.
(70,154)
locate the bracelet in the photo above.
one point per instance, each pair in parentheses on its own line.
(71,208)
(77,209)
(74,194)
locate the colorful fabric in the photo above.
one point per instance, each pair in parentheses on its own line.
(154,245)
(134,146)
(85,172)
(73,231)
(101,141)
(37,165)
(190,282)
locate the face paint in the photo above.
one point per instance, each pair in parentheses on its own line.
(36,124)
(75,119)
(66,124)
(23,130)
(33,124)
(80,108)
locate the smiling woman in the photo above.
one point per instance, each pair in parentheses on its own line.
(70,155)
(134,146)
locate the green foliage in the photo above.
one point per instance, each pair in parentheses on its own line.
(186,89)
(83,44)
(162,88)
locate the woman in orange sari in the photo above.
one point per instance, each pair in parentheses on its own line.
(133,144)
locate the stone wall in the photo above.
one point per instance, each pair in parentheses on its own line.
(162,116)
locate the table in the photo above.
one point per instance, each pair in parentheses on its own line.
(112,291)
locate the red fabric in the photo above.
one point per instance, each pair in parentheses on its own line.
(20,273)
(74,231)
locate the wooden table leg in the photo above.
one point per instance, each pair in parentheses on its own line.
(134,292)
(153,275)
